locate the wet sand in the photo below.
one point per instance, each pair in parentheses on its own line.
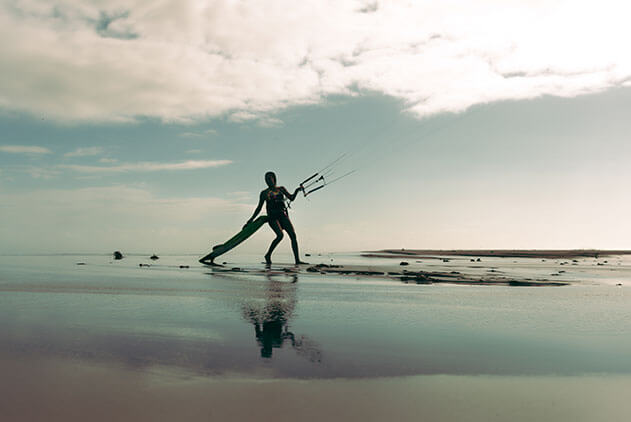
(48,390)
(113,340)
(521,268)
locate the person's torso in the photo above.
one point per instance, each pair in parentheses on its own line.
(275,202)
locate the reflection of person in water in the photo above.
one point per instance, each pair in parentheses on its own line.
(274,199)
(271,322)
(272,332)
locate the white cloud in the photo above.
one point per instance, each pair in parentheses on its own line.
(260,119)
(189,59)
(198,134)
(270,122)
(243,116)
(24,149)
(84,152)
(190,135)
(40,172)
(243,196)
(147,166)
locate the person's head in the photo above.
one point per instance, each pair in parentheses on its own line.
(270,179)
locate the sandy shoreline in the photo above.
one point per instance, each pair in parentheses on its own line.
(63,390)
(500,253)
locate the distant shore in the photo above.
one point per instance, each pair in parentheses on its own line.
(500,253)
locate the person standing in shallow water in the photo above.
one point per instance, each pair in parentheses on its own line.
(274,198)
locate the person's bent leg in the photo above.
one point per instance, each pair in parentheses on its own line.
(275,225)
(289,228)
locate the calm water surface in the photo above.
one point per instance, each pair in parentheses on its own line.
(284,325)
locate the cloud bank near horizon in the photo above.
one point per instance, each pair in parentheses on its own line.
(24,149)
(181,61)
(112,217)
(146,166)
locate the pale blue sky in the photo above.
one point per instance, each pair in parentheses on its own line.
(467,129)
(541,173)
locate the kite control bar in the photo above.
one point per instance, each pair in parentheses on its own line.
(309,178)
(315,189)
(310,182)
(325,172)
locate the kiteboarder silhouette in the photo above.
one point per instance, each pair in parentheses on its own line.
(274,197)
(278,219)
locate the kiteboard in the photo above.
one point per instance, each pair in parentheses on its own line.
(247,231)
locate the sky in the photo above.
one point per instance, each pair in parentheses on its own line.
(147,126)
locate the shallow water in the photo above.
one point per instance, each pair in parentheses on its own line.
(110,340)
(285,325)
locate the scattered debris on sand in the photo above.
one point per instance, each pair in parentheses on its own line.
(430,277)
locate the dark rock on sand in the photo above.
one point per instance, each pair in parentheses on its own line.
(118,255)
(404,263)
(327,266)
(154,257)
(80,263)
(518,283)
(307,254)
(184,266)
(417,278)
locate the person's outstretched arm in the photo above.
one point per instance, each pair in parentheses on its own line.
(289,195)
(257,210)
